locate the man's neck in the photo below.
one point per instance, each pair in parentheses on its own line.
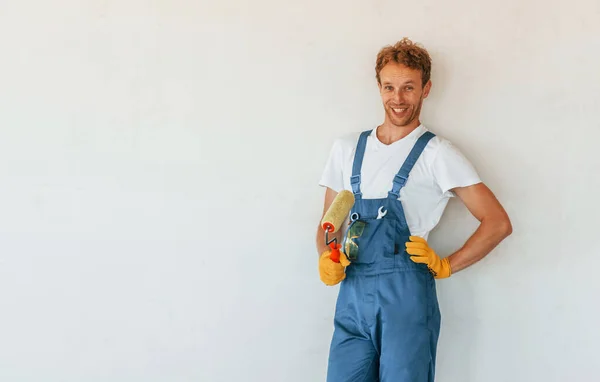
(388,133)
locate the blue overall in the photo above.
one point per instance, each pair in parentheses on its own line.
(387,318)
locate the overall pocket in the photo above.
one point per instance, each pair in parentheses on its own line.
(368,240)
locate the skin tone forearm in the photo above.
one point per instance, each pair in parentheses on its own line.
(489,234)
(494,226)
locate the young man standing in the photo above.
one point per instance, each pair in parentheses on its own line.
(387,318)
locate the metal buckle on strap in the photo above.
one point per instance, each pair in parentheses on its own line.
(355,179)
(400,179)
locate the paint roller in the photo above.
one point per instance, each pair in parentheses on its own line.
(334,218)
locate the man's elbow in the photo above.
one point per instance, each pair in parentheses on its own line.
(505,228)
(499,226)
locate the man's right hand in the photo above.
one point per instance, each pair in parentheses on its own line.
(330,272)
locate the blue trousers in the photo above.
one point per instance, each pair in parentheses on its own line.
(386,328)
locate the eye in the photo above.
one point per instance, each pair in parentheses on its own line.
(388,87)
(409,88)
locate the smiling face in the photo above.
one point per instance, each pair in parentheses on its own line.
(402,93)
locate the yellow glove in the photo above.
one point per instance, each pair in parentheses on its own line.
(421,253)
(330,272)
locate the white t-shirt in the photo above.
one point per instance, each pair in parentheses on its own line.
(440,168)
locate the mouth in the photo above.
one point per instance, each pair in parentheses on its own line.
(399,110)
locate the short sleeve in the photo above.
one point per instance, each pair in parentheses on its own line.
(332,175)
(452,169)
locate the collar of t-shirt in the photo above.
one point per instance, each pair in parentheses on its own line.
(409,139)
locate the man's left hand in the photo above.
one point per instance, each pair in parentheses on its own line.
(420,252)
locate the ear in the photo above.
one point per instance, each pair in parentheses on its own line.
(426,89)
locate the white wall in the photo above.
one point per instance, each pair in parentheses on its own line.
(158,183)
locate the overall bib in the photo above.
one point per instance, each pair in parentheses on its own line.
(387,318)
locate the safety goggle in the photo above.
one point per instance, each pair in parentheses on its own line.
(355,230)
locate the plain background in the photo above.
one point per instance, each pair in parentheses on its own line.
(159,164)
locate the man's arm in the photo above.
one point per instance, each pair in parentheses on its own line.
(495,225)
(321,245)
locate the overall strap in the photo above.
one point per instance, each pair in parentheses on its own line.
(356,166)
(402,175)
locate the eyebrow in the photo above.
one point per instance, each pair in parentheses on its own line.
(405,83)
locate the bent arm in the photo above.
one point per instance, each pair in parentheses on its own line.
(494,226)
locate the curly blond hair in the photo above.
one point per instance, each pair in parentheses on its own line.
(407,53)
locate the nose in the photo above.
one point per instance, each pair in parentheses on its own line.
(398,97)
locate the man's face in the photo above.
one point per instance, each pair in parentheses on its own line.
(402,94)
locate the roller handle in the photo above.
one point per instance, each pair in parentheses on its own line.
(335,247)
(335,252)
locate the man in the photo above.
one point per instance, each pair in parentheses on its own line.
(387,318)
